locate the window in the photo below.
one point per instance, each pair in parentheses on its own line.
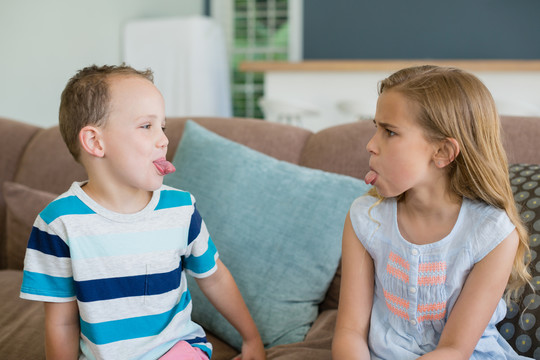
(258,30)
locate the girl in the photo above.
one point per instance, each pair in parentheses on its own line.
(427,256)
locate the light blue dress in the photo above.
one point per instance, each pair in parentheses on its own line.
(416,286)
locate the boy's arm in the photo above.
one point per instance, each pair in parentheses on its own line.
(220,288)
(477,302)
(355,299)
(62,330)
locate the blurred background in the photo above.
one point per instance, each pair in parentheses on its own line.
(196,48)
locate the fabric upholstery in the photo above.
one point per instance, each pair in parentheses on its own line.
(47,164)
(276,225)
(281,141)
(521,328)
(38,158)
(14,137)
(23,205)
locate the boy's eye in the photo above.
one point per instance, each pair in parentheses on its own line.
(147,126)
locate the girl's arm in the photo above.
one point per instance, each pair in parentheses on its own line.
(355,299)
(62,330)
(477,302)
(221,290)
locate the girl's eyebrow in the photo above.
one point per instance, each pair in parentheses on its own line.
(385,125)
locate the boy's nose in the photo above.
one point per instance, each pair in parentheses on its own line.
(163,140)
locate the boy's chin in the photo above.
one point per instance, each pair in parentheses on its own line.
(155,186)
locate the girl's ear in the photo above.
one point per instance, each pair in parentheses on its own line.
(446,153)
(91,141)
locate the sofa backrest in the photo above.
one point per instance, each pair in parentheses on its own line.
(38,158)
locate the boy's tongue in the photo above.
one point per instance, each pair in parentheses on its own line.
(164,167)
(371,177)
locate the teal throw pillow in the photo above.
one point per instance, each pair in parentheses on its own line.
(277,227)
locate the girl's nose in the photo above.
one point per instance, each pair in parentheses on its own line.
(371,145)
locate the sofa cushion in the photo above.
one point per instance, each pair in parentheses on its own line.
(23,206)
(22,333)
(521,327)
(277,227)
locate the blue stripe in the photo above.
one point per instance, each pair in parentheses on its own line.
(173,198)
(120,287)
(49,244)
(70,205)
(47,285)
(203,263)
(200,343)
(194,226)
(132,328)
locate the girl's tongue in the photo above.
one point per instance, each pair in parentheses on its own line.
(164,167)
(371,177)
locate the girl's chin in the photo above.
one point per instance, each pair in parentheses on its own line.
(385,192)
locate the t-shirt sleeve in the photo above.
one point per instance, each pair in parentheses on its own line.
(200,260)
(47,272)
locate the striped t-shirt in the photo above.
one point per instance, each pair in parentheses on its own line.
(126,271)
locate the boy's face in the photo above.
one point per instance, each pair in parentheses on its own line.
(133,134)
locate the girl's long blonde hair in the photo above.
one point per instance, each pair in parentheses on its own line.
(456,104)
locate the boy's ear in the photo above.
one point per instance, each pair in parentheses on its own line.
(91,141)
(446,153)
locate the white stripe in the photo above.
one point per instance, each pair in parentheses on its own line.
(133,243)
(36,261)
(33,297)
(199,246)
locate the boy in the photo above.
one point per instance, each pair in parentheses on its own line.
(108,256)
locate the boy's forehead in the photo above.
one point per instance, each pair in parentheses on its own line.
(129,84)
(134,94)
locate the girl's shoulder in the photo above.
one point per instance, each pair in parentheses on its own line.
(368,213)
(483,215)
(368,205)
(486,226)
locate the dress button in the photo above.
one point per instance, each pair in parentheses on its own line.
(413,322)
(414,252)
(412,290)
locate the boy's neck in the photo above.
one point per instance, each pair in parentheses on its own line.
(122,201)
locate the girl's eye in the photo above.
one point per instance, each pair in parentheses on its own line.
(147,126)
(390,132)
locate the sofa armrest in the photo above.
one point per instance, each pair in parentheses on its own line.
(14,136)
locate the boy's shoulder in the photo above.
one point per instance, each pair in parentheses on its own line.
(65,204)
(171,196)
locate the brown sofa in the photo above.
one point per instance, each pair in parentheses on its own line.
(36,160)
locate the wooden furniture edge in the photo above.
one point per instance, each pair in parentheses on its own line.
(387,65)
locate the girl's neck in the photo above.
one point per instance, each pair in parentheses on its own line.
(427,219)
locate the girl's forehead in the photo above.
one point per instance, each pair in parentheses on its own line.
(393,108)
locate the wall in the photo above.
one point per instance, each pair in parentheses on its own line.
(419,29)
(43,43)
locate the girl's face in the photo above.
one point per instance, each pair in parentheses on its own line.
(401,156)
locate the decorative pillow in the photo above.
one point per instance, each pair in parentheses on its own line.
(277,227)
(23,205)
(521,326)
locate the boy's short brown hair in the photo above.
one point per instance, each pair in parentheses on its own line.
(85,100)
